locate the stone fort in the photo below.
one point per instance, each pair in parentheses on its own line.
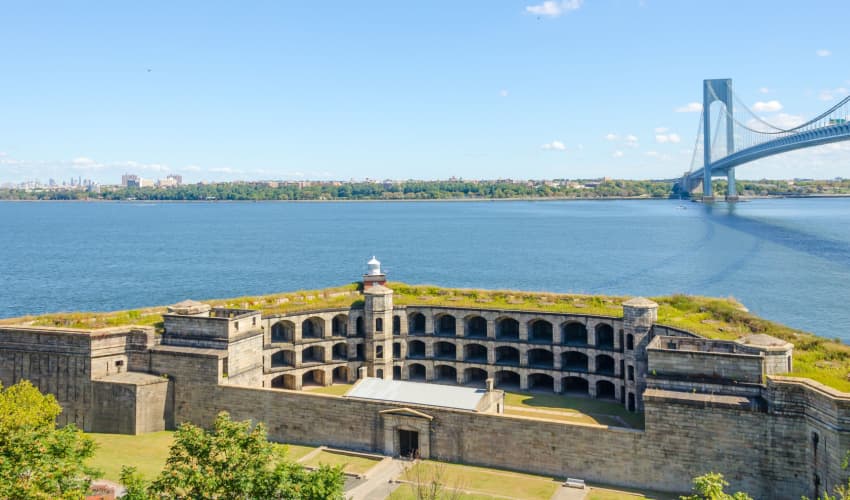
(708,405)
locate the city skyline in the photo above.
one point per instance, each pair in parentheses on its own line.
(538,90)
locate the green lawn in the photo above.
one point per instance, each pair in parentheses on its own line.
(335,389)
(351,463)
(406,492)
(483,481)
(295,451)
(578,409)
(147,452)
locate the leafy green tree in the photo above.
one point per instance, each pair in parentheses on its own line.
(37,460)
(710,487)
(233,461)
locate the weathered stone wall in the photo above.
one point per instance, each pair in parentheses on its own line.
(733,367)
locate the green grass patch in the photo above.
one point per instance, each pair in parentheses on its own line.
(826,361)
(350,463)
(572,408)
(147,452)
(406,492)
(334,390)
(294,452)
(483,481)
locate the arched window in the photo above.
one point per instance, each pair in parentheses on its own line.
(379,325)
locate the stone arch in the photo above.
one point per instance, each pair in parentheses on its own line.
(540,358)
(630,341)
(475,376)
(396,372)
(444,324)
(475,353)
(312,328)
(445,373)
(340,351)
(507,328)
(313,378)
(379,324)
(283,331)
(285,381)
(574,361)
(283,358)
(445,350)
(313,354)
(396,350)
(416,371)
(604,364)
(396,325)
(340,375)
(540,331)
(416,323)
(574,333)
(416,349)
(605,390)
(604,336)
(541,382)
(575,385)
(476,327)
(507,378)
(339,325)
(359,327)
(507,355)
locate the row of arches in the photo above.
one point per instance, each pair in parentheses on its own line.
(314,328)
(316,377)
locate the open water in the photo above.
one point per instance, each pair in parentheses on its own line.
(785,259)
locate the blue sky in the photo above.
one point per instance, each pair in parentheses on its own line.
(340,90)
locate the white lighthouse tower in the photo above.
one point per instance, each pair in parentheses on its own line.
(374,275)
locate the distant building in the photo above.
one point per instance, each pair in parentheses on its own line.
(130,180)
(146,182)
(178,179)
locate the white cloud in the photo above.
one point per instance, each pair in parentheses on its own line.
(225,170)
(653,154)
(82,160)
(764,90)
(830,94)
(503,93)
(551,8)
(661,130)
(617,154)
(780,120)
(767,106)
(555,146)
(632,141)
(665,138)
(691,107)
(823,52)
(192,168)
(611,137)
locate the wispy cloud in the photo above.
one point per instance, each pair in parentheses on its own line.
(617,154)
(503,93)
(611,137)
(632,141)
(767,106)
(665,138)
(225,170)
(551,8)
(823,52)
(764,90)
(661,130)
(554,146)
(691,107)
(830,94)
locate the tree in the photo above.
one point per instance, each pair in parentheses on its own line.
(37,460)
(429,482)
(232,461)
(710,487)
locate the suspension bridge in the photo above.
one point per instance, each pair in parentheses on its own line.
(746,137)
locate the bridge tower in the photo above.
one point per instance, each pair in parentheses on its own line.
(717,90)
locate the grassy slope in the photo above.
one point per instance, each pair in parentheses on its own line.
(824,360)
(482,480)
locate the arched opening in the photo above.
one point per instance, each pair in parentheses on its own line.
(359,329)
(313,378)
(416,349)
(283,359)
(507,355)
(574,361)
(313,354)
(286,381)
(396,350)
(396,373)
(396,325)
(541,382)
(444,324)
(283,331)
(340,375)
(445,350)
(379,352)
(605,390)
(445,374)
(604,364)
(631,372)
(312,328)
(379,324)
(574,386)
(475,353)
(416,323)
(604,336)
(476,327)
(360,353)
(379,373)
(574,333)
(631,405)
(507,379)
(540,331)
(475,376)
(630,341)
(507,329)
(416,372)
(540,358)
(340,351)
(339,326)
